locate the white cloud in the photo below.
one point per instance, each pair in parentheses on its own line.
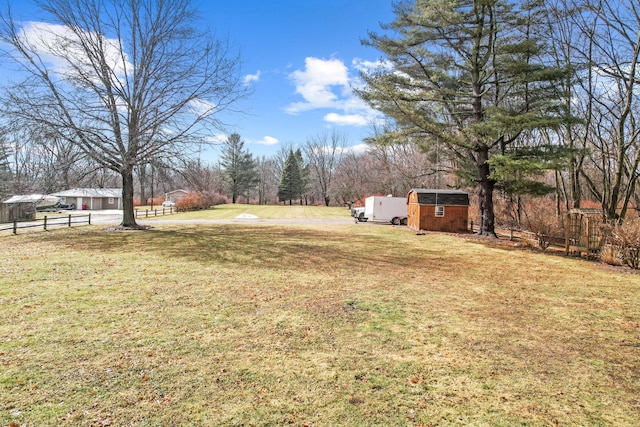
(327,84)
(61,49)
(217,138)
(267,140)
(201,107)
(358,149)
(347,119)
(316,82)
(368,66)
(250,78)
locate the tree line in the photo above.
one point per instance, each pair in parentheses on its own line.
(513,100)
(321,170)
(515,90)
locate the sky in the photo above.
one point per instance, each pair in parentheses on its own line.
(301,58)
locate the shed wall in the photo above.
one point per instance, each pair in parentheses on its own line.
(422,211)
(10,212)
(423,217)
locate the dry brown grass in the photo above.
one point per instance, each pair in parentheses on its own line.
(270,325)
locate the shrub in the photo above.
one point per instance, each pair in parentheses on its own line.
(625,238)
(201,200)
(611,255)
(540,217)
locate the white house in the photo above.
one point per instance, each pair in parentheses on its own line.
(176,195)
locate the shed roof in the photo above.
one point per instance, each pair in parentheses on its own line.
(441,197)
(179,190)
(90,192)
(31,198)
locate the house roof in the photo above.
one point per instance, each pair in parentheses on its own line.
(31,198)
(90,192)
(441,197)
(180,190)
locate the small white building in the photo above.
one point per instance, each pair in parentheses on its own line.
(176,195)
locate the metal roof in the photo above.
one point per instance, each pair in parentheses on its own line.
(31,198)
(90,192)
(437,191)
(441,197)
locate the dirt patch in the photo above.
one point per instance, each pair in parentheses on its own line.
(136,227)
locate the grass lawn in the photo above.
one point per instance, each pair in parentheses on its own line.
(230,211)
(301,324)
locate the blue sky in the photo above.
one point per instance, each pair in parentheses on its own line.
(301,58)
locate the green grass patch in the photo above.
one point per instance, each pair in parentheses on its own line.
(231,210)
(240,324)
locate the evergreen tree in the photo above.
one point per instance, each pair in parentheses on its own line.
(466,73)
(239,169)
(305,176)
(518,171)
(291,185)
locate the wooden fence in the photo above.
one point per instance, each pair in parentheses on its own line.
(47,222)
(542,240)
(148,213)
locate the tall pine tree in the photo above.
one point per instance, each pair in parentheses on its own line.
(291,184)
(305,176)
(239,169)
(466,73)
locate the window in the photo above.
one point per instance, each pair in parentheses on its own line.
(439,210)
(110,200)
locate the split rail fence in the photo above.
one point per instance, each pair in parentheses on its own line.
(47,222)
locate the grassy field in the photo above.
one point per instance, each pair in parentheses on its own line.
(354,325)
(230,211)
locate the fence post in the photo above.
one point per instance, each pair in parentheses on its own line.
(15,226)
(90,219)
(69,220)
(45,223)
(146,213)
(511,233)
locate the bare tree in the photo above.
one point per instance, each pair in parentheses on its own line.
(6,177)
(201,177)
(406,166)
(324,153)
(565,40)
(28,173)
(350,178)
(268,182)
(124,80)
(609,98)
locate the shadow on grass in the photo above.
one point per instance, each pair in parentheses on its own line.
(266,247)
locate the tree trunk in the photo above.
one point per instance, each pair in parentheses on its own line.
(128,216)
(142,178)
(487,218)
(574,177)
